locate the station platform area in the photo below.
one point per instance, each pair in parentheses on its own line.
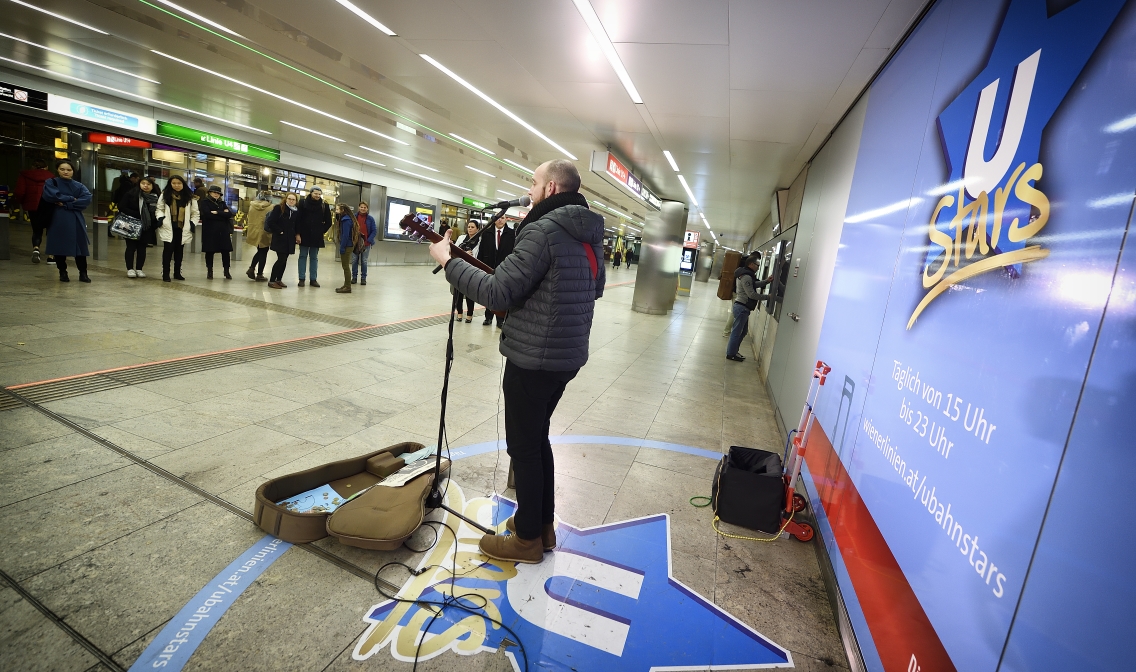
(127,496)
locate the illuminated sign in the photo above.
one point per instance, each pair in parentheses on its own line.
(100,114)
(116,140)
(220,142)
(20,95)
(612,169)
(474,203)
(691,240)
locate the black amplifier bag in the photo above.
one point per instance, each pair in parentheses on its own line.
(748,489)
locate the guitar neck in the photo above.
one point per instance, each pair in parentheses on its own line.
(455,251)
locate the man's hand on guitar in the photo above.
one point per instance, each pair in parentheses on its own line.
(441,251)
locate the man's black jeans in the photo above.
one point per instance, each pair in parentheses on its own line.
(530,399)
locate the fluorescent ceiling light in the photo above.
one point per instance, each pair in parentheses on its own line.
(430,179)
(670,160)
(494,103)
(79,58)
(280,97)
(200,18)
(608,49)
(1111,201)
(478,170)
(515,185)
(60,17)
(506,193)
(713,236)
(153,101)
(693,200)
(514,163)
(470,143)
(304,128)
(399,158)
(359,158)
(880,212)
(366,17)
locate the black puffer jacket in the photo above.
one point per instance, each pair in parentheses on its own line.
(216,225)
(547,285)
(314,221)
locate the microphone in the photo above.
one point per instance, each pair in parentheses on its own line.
(522,202)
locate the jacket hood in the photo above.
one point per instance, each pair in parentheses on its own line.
(259,206)
(569,211)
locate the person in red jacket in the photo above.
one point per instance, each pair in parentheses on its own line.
(29,188)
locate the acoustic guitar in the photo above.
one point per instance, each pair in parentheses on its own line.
(420,230)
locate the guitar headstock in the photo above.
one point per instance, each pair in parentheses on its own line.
(418,228)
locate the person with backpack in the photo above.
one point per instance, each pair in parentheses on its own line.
(66,199)
(746,286)
(347,239)
(29,188)
(365,223)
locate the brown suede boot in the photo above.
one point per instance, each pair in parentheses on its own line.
(547,535)
(512,548)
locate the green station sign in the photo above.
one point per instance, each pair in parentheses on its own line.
(186,134)
(474,203)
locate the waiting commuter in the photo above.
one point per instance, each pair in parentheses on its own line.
(178,216)
(746,286)
(313,224)
(29,188)
(67,235)
(140,202)
(125,185)
(365,223)
(216,230)
(616,259)
(628,257)
(495,246)
(281,223)
(470,231)
(257,236)
(198,188)
(346,237)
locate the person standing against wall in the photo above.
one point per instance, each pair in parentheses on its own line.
(281,223)
(346,237)
(257,236)
(140,202)
(216,230)
(178,217)
(494,247)
(314,222)
(29,188)
(746,286)
(67,235)
(365,223)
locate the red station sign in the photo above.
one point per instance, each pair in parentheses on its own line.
(117,140)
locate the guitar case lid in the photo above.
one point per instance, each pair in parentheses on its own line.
(381,518)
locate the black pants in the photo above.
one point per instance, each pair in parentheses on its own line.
(458,304)
(172,251)
(37,229)
(224,260)
(259,260)
(278,267)
(530,399)
(135,255)
(489,316)
(80,263)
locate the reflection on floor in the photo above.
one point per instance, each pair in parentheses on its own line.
(115,550)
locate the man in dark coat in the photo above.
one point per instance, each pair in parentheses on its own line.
(495,245)
(29,188)
(313,222)
(216,229)
(549,286)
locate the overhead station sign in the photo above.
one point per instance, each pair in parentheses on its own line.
(612,169)
(117,140)
(186,134)
(22,95)
(99,114)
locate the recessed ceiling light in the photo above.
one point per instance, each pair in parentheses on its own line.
(506,193)
(154,101)
(200,18)
(430,179)
(60,17)
(478,170)
(80,58)
(470,143)
(693,200)
(494,103)
(670,160)
(304,128)
(280,97)
(515,184)
(359,158)
(366,17)
(608,49)
(514,163)
(399,158)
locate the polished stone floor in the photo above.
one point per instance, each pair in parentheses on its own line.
(112,550)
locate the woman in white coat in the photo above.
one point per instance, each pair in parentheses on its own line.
(178,214)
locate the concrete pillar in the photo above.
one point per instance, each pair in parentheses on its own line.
(656,279)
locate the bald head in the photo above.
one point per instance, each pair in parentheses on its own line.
(557,176)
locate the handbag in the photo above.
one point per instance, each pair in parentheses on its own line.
(126,226)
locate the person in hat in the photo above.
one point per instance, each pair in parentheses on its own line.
(216,229)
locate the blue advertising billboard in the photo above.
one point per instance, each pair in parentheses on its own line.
(991,197)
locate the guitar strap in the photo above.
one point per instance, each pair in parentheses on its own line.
(591,260)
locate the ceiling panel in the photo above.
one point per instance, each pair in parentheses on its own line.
(666,21)
(680,79)
(775,116)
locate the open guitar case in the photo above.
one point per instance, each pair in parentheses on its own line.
(379,519)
